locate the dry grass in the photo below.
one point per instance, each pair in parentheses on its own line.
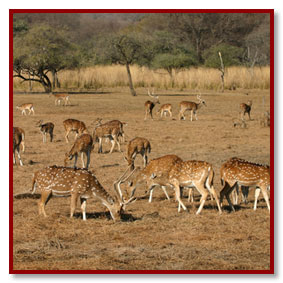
(195,78)
(151,236)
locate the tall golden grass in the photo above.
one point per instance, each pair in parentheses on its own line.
(93,78)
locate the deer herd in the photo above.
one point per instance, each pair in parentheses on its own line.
(166,172)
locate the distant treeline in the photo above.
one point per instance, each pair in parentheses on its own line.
(45,44)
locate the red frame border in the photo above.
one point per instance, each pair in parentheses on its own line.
(12,12)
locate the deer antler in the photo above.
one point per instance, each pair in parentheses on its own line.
(152,94)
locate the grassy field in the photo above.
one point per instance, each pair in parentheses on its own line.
(151,235)
(101,77)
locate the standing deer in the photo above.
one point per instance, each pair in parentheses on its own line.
(73,125)
(238,172)
(17,139)
(77,183)
(45,129)
(22,132)
(109,131)
(84,145)
(24,107)
(197,174)
(192,106)
(154,174)
(149,105)
(164,109)
(115,123)
(246,108)
(137,146)
(61,97)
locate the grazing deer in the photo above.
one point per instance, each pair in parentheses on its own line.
(110,131)
(164,109)
(73,125)
(17,139)
(77,183)
(192,106)
(22,132)
(152,173)
(238,172)
(61,97)
(45,129)
(149,105)
(83,145)
(246,108)
(137,146)
(115,123)
(24,107)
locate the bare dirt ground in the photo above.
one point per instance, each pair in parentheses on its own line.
(152,236)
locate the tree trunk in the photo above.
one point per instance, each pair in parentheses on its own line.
(130,80)
(222,70)
(44,80)
(55,81)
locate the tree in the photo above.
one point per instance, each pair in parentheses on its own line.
(41,50)
(127,49)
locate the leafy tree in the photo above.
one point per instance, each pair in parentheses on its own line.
(232,56)
(127,49)
(41,50)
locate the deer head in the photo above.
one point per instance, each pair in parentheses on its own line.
(155,97)
(201,101)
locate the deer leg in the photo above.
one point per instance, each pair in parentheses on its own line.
(214,195)
(151,193)
(100,145)
(83,207)
(229,191)
(117,142)
(113,145)
(14,159)
(191,115)
(19,156)
(257,192)
(45,197)
(178,196)
(66,136)
(245,193)
(74,199)
(190,195)
(165,192)
(51,136)
(265,195)
(195,112)
(145,117)
(88,158)
(235,195)
(202,190)
(76,159)
(82,158)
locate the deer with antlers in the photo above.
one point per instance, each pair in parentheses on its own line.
(246,108)
(107,131)
(17,139)
(115,123)
(26,106)
(149,105)
(238,172)
(73,125)
(22,133)
(164,109)
(45,129)
(152,173)
(61,97)
(191,106)
(137,146)
(77,183)
(84,145)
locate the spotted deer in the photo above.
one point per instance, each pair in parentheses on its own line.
(73,125)
(84,145)
(191,106)
(197,174)
(17,139)
(77,183)
(246,108)
(137,146)
(164,109)
(149,105)
(154,174)
(26,106)
(238,172)
(115,123)
(45,129)
(22,132)
(110,131)
(61,97)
